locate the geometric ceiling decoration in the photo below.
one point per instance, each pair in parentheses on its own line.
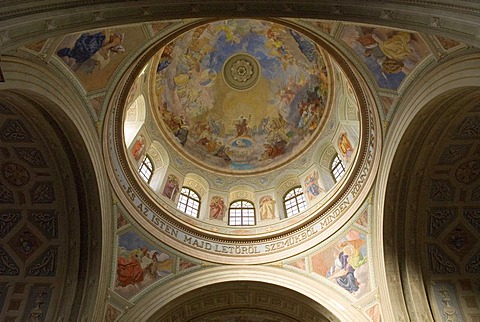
(45,264)
(25,243)
(460,240)
(441,263)
(8,220)
(439,219)
(8,267)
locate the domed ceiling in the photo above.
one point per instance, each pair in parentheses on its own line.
(242,110)
(239,96)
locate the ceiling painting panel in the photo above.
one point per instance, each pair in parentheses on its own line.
(94,56)
(242,94)
(390,55)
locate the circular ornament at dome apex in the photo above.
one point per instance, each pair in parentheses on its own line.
(241,96)
(241,71)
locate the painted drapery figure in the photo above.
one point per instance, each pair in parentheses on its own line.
(217,208)
(267,208)
(345,146)
(312,185)
(171,187)
(95,48)
(138,147)
(348,260)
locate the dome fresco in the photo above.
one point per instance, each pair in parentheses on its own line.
(244,111)
(238,96)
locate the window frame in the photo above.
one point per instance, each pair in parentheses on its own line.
(188,198)
(146,165)
(300,205)
(241,210)
(337,163)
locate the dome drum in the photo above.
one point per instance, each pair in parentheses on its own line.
(199,111)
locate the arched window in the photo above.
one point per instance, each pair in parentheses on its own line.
(146,169)
(337,168)
(294,202)
(241,213)
(189,202)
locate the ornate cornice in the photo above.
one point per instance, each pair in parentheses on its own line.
(24,22)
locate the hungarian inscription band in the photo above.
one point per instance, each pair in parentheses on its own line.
(239,249)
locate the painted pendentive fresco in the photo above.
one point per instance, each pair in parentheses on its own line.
(345,263)
(242,94)
(139,264)
(98,53)
(389,54)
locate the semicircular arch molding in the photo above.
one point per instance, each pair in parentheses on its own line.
(426,108)
(52,97)
(335,305)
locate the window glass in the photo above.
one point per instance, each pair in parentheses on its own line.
(241,213)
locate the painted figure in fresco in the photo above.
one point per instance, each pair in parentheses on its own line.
(345,146)
(185,86)
(129,270)
(390,53)
(171,187)
(182,132)
(267,208)
(158,265)
(348,260)
(312,186)
(94,48)
(142,264)
(242,128)
(166,57)
(138,147)
(217,208)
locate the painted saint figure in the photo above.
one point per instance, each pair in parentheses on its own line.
(97,48)
(242,128)
(171,187)
(345,146)
(267,208)
(312,185)
(138,147)
(348,260)
(129,270)
(217,208)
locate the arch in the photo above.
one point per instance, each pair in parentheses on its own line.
(70,199)
(375,13)
(69,119)
(404,287)
(335,304)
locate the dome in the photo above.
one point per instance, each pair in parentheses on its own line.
(241,96)
(241,129)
